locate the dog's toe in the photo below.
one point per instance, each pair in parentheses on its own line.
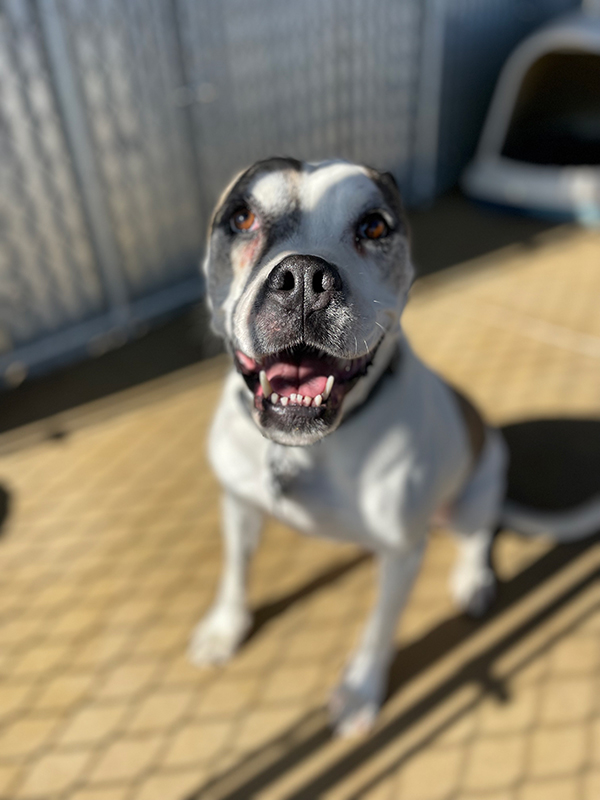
(351,713)
(474,590)
(481,600)
(217,637)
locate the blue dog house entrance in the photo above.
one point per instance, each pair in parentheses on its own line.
(540,147)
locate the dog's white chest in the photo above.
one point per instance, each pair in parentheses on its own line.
(374,481)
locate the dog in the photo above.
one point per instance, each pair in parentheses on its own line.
(329,421)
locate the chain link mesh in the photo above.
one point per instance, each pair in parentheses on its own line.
(47,273)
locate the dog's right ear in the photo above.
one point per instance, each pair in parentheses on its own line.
(217,266)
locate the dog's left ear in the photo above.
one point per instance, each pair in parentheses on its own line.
(389,188)
(388,178)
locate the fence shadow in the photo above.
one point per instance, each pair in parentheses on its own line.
(563,452)
(5,501)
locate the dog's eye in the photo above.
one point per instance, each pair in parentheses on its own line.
(372,226)
(242,219)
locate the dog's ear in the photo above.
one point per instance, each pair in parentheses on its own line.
(388,186)
(389,179)
(217,267)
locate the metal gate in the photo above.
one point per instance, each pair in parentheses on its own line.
(121,120)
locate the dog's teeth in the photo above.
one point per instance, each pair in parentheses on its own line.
(284,401)
(274,398)
(318,400)
(328,387)
(307,400)
(264,382)
(293,398)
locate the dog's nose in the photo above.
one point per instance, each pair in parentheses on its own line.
(309,281)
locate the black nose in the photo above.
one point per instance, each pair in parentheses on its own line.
(307,281)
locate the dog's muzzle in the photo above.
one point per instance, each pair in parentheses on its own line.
(300,316)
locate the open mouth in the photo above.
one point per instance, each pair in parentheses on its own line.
(302,379)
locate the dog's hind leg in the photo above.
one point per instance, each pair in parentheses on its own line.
(355,702)
(473,519)
(218,635)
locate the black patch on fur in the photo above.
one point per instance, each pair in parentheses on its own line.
(386,183)
(220,271)
(238,192)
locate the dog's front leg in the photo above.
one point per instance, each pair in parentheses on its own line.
(356,701)
(218,635)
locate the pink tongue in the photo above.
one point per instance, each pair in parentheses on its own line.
(304,378)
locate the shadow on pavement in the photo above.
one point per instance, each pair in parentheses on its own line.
(4,508)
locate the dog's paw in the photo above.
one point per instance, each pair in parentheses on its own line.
(354,709)
(216,637)
(474,590)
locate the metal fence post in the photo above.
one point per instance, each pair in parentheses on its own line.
(425,153)
(79,138)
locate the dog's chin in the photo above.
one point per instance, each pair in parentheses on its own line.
(298,394)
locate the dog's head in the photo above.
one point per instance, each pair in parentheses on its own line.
(308,269)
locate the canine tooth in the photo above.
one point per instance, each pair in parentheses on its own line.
(274,398)
(328,387)
(307,400)
(264,382)
(318,400)
(284,401)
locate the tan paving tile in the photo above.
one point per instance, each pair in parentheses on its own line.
(92,724)
(558,751)
(431,774)
(495,763)
(591,786)
(568,700)
(161,710)
(63,692)
(577,655)
(518,714)
(199,743)
(114,793)
(8,776)
(53,773)
(25,736)
(127,681)
(126,759)
(569,789)
(13,697)
(228,697)
(172,786)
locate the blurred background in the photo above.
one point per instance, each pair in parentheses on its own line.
(120,123)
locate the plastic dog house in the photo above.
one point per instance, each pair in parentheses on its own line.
(540,146)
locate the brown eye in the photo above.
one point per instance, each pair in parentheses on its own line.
(373,226)
(242,219)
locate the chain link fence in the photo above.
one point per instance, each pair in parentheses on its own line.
(121,120)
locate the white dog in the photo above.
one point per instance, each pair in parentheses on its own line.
(328,420)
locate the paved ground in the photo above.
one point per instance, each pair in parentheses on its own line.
(111,552)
